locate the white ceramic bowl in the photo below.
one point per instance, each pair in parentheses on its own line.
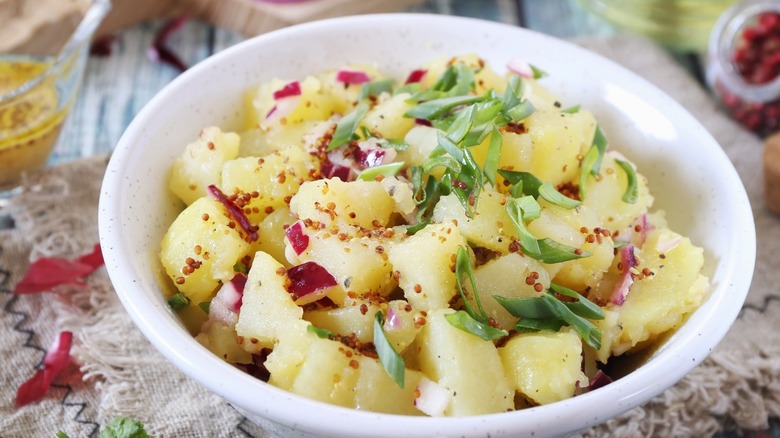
(689,174)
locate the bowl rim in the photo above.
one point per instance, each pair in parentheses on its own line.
(283,407)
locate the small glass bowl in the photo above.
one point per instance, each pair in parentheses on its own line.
(38,84)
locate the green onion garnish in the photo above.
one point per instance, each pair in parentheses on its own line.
(465,322)
(375,88)
(390,169)
(178,301)
(347,125)
(390,359)
(631,194)
(320,332)
(549,193)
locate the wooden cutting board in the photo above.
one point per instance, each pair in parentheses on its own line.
(40,26)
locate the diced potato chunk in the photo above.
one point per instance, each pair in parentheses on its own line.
(326,374)
(220,339)
(490,227)
(545,367)
(387,118)
(271,234)
(274,179)
(506,276)
(201,164)
(661,301)
(605,195)
(267,308)
(424,262)
(376,391)
(201,234)
(311,104)
(453,358)
(363,203)
(357,318)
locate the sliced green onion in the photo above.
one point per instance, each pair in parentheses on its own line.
(515,88)
(521,111)
(529,325)
(390,359)
(581,306)
(538,72)
(463,266)
(320,332)
(549,193)
(390,169)
(547,307)
(178,301)
(375,88)
(433,109)
(530,183)
(399,145)
(586,168)
(205,306)
(554,252)
(464,321)
(412,89)
(600,141)
(571,110)
(493,155)
(450,147)
(631,194)
(528,243)
(347,125)
(239,267)
(461,125)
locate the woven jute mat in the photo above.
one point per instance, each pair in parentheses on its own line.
(119,373)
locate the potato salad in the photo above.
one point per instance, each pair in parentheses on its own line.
(449,243)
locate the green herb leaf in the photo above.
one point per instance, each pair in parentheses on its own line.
(434,109)
(240,267)
(549,193)
(320,332)
(461,125)
(571,110)
(399,145)
(529,183)
(547,307)
(600,142)
(178,301)
(538,72)
(528,243)
(390,169)
(631,194)
(205,306)
(375,88)
(469,183)
(446,81)
(521,111)
(463,267)
(554,252)
(493,155)
(586,169)
(347,125)
(449,146)
(62,434)
(529,325)
(486,118)
(121,427)
(515,88)
(581,306)
(391,360)
(465,322)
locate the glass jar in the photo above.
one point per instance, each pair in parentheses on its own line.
(743,64)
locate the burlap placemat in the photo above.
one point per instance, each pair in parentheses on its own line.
(121,374)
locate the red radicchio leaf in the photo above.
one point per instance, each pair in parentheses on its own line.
(291,89)
(158,51)
(599,380)
(235,211)
(369,157)
(309,280)
(352,77)
(298,239)
(415,76)
(48,272)
(623,286)
(56,359)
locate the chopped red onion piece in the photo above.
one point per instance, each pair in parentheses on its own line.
(415,76)
(235,292)
(298,239)
(291,89)
(423,122)
(350,77)
(393,321)
(235,211)
(520,67)
(330,170)
(309,282)
(667,245)
(370,157)
(282,108)
(103,46)
(158,51)
(55,360)
(599,380)
(623,286)
(48,272)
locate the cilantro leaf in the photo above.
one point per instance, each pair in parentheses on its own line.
(121,427)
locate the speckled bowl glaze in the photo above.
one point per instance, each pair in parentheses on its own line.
(689,174)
